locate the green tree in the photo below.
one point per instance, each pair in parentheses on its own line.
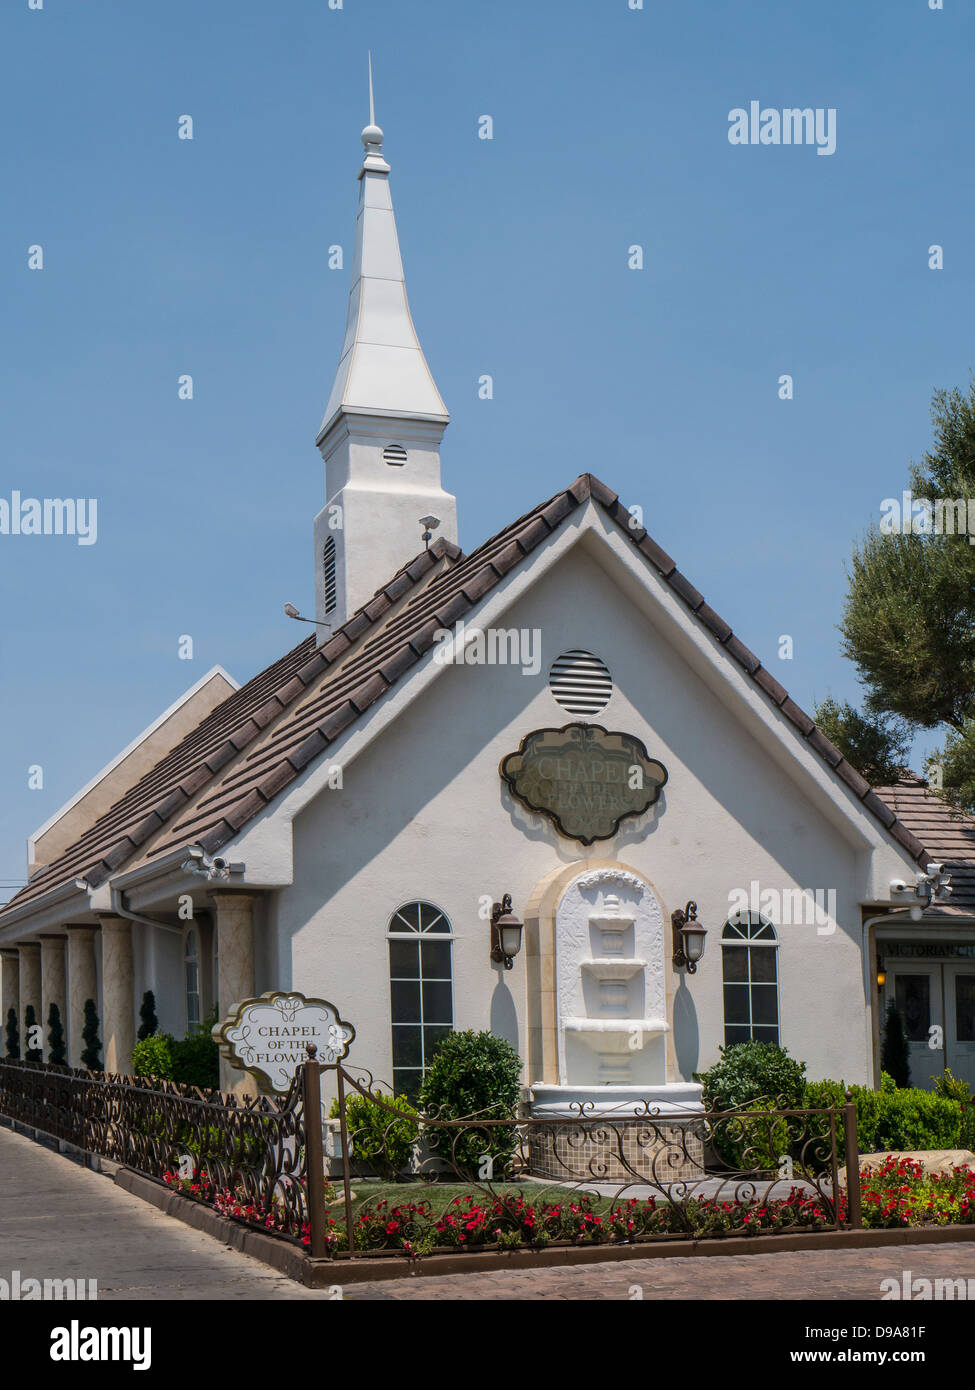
(91,1057)
(895,1057)
(877,745)
(909,617)
(56,1049)
(13,1036)
(32,1054)
(148,1022)
(951,768)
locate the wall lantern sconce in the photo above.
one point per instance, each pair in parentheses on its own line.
(688,938)
(506,933)
(881,975)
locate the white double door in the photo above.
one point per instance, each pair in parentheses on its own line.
(937,1004)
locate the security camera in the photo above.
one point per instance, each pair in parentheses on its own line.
(218,863)
(934,869)
(897,885)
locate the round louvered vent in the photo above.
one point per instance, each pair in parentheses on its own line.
(394,454)
(580,682)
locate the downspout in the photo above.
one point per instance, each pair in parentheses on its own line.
(119,908)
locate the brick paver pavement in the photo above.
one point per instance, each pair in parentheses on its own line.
(809,1274)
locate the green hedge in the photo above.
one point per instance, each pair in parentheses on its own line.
(756,1076)
(891,1120)
(192,1061)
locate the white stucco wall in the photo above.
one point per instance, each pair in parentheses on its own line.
(423,814)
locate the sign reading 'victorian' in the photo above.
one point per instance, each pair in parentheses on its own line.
(584,778)
(269,1036)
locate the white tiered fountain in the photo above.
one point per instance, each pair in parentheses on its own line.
(611,1003)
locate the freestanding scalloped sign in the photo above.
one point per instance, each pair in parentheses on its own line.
(269,1036)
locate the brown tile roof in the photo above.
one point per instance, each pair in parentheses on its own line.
(169,787)
(257,742)
(948,834)
(329,708)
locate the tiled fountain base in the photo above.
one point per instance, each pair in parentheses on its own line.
(608,1151)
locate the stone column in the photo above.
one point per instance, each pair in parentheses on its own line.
(9,993)
(233,915)
(82,986)
(30,988)
(118,1010)
(52,985)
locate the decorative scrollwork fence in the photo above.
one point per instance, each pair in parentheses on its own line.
(643,1173)
(420,1183)
(246,1152)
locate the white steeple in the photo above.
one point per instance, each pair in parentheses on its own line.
(381,432)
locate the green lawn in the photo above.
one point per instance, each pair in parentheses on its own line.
(441,1194)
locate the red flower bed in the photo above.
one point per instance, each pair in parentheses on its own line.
(895,1194)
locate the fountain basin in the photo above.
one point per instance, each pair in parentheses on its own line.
(616,1034)
(672,1097)
(613,967)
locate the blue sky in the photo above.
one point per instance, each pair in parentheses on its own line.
(164,256)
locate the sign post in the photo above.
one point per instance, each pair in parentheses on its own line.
(314,1158)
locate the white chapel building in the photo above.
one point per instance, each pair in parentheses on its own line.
(559,718)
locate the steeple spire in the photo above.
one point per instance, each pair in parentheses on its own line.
(381,432)
(382,370)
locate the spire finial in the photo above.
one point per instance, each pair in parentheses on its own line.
(372,136)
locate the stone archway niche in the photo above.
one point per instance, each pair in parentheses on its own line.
(609,1004)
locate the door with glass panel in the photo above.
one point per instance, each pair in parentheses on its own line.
(960,1021)
(917,993)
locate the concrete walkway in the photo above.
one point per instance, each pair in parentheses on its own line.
(61,1221)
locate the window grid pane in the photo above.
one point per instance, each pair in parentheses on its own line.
(420,991)
(750,976)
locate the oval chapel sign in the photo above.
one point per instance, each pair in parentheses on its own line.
(584,778)
(269,1036)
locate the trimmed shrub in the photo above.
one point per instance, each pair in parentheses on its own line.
(13,1036)
(148,1022)
(752,1076)
(192,1061)
(91,1057)
(196,1058)
(951,1088)
(473,1074)
(892,1120)
(895,1056)
(750,1072)
(57,1051)
(153,1057)
(379,1139)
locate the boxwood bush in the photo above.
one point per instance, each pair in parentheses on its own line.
(752,1076)
(473,1074)
(379,1139)
(192,1061)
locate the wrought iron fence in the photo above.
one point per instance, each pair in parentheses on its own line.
(643,1174)
(245,1155)
(421,1183)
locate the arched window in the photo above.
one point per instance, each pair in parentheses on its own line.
(420,990)
(750,972)
(191,970)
